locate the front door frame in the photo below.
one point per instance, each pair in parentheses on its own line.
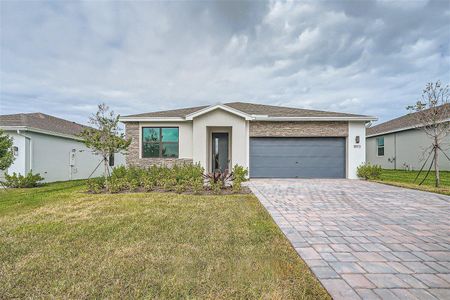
(211,152)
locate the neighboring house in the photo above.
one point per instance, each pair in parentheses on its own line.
(50,146)
(399,144)
(270,141)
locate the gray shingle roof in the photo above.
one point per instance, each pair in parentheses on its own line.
(251,109)
(43,122)
(398,124)
(180,113)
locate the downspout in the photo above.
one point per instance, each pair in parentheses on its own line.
(31,148)
(395,151)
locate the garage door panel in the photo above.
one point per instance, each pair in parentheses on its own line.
(305,162)
(295,151)
(295,141)
(289,172)
(300,153)
(297,157)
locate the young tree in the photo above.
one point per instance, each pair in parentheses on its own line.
(431,116)
(106,137)
(6,151)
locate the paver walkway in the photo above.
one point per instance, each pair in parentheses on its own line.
(362,239)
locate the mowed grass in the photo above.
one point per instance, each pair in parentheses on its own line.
(59,242)
(406,179)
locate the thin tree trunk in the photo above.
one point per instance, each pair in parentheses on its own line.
(436,164)
(105,162)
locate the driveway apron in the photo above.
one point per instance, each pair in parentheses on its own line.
(364,240)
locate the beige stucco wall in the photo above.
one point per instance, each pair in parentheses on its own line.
(194,139)
(298,129)
(20,165)
(204,125)
(356,152)
(372,154)
(408,147)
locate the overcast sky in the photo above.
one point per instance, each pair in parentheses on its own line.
(366,57)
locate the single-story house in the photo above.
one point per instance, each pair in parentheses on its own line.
(400,144)
(51,146)
(271,141)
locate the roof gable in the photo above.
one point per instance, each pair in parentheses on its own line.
(216,107)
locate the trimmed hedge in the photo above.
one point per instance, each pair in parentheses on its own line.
(180,178)
(369,172)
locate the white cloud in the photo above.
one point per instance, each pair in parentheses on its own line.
(363,57)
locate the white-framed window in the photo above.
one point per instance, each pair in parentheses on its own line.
(380,146)
(160,142)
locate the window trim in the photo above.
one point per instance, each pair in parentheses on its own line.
(160,142)
(379,147)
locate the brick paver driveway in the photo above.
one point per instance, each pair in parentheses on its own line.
(365,240)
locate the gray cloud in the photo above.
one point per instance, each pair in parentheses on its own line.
(370,57)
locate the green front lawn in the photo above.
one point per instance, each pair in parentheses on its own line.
(59,242)
(406,179)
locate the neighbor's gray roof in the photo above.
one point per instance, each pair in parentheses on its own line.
(43,122)
(251,109)
(399,124)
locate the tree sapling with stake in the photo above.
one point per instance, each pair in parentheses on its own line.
(431,114)
(106,137)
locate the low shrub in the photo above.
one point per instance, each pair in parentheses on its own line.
(369,172)
(96,185)
(180,188)
(179,178)
(216,187)
(133,177)
(116,185)
(19,181)
(168,183)
(147,183)
(150,178)
(197,185)
(119,172)
(239,175)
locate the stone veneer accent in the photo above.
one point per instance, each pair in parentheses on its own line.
(298,129)
(132,157)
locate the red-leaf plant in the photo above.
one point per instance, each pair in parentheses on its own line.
(219,176)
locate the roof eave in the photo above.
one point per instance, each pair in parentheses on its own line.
(401,129)
(391,131)
(42,131)
(151,119)
(248,118)
(362,119)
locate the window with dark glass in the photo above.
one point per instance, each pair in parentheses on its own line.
(380,146)
(160,142)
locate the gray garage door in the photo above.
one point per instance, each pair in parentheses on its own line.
(297,157)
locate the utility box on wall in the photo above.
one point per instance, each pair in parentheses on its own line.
(72,157)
